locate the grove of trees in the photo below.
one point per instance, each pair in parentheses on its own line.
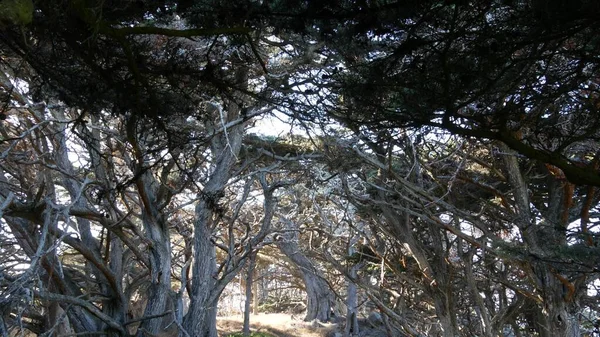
(440,164)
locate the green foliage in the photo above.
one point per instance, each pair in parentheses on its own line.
(282,146)
(579,253)
(510,250)
(16,12)
(394,73)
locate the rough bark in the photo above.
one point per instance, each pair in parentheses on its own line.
(352,328)
(479,308)
(201,318)
(249,287)
(318,292)
(255,293)
(556,314)
(159,291)
(433,270)
(156,232)
(115,304)
(24,227)
(206,285)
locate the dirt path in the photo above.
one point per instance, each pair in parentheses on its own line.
(279,325)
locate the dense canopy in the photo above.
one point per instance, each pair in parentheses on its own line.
(441,157)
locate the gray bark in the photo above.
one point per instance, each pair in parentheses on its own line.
(480,308)
(156,231)
(255,293)
(352,328)
(433,271)
(159,291)
(318,293)
(557,313)
(206,285)
(249,287)
(201,317)
(115,305)
(25,229)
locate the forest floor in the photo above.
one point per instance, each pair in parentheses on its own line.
(286,325)
(278,325)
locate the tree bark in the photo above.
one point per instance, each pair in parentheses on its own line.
(318,293)
(115,304)
(255,292)
(202,315)
(206,284)
(352,328)
(201,319)
(249,287)
(156,230)
(556,314)
(433,270)
(159,291)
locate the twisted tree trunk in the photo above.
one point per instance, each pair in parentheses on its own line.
(556,314)
(318,292)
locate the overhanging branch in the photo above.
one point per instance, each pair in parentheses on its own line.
(189,33)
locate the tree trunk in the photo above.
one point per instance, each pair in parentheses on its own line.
(318,293)
(114,306)
(352,304)
(319,298)
(556,313)
(433,270)
(480,309)
(443,316)
(555,318)
(249,287)
(3,329)
(200,321)
(255,292)
(80,320)
(157,231)
(352,328)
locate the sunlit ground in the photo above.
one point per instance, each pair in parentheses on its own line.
(279,325)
